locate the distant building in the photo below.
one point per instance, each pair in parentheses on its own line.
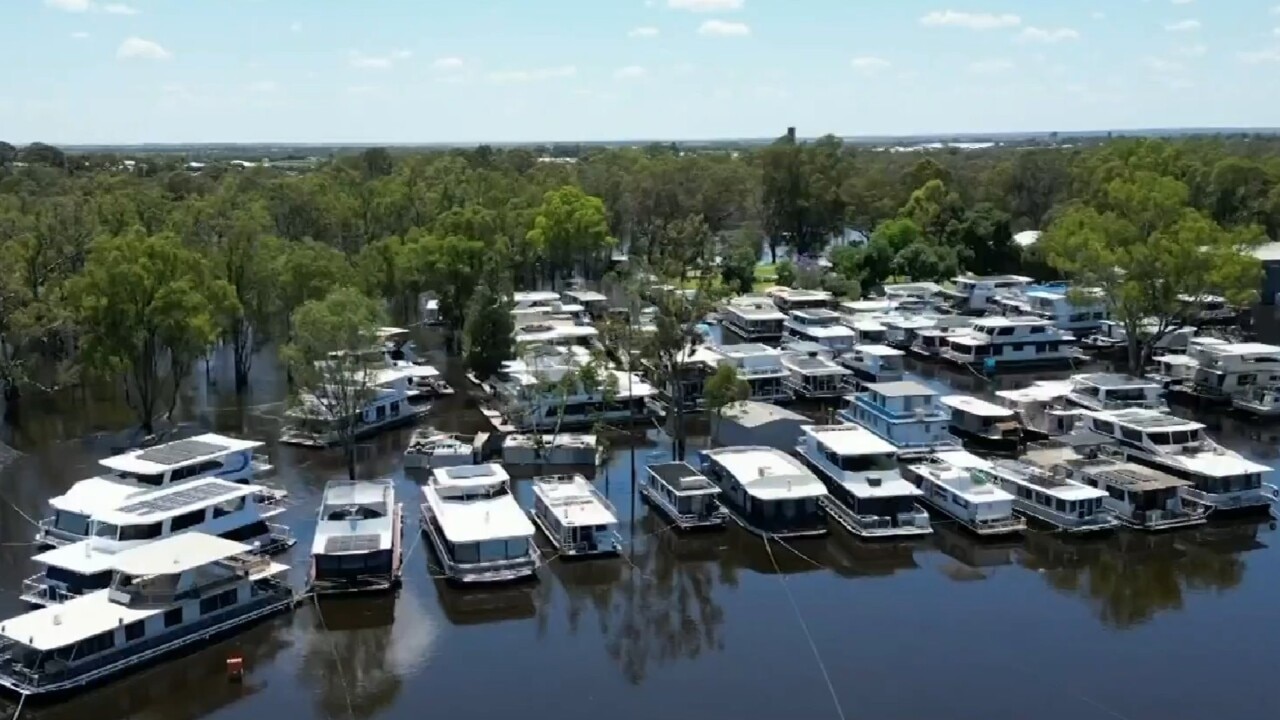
(1269,254)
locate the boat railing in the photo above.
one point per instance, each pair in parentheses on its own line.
(1013,522)
(37,588)
(1266,493)
(845,516)
(587,485)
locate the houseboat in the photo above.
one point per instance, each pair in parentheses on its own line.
(528,303)
(596,304)
(476,527)
(359,536)
(975,294)
(575,517)
(1081,315)
(868,495)
(1041,409)
(1230,369)
(929,343)
(868,331)
(1052,498)
(1208,310)
(694,367)
(207,505)
(559,449)
(685,496)
(754,319)
(528,396)
(149,469)
(792,299)
(766,491)
(760,366)
(815,377)
(819,326)
(556,331)
(904,413)
(429,449)
(1173,371)
(1262,401)
(812,349)
(1112,339)
(1138,496)
(970,498)
(1112,391)
(1003,342)
(984,427)
(165,597)
(382,395)
(1219,478)
(872,364)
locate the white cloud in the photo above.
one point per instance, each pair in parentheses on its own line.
(70,5)
(643,32)
(1098,15)
(706,5)
(630,72)
(1053,35)
(358,59)
(990,67)
(1183,26)
(1192,51)
(448,63)
(264,86)
(536,74)
(1255,57)
(972,21)
(119,9)
(135,48)
(869,65)
(724,28)
(81,35)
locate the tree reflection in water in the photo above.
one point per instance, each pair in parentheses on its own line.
(975,558)
(357,633)
(1131,577)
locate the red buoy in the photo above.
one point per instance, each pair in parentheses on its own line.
(235,668)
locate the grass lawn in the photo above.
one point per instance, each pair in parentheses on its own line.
(766,277)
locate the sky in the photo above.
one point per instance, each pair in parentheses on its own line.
(468,71)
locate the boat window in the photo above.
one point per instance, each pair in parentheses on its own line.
(395,408)
(1104,427)
(351,512)
(868,463)
(1060,504)
(186,520)
(1090,390)
(226,507)
(1037,330)
(214,603)
(173,618)
(95,644)
(1131,434)
(196,470)
(144,479)
(1160,438)
(135,630)
(71,522)
(106,530)
(140,532)
(1179,437)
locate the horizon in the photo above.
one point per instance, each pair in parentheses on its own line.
(143,72)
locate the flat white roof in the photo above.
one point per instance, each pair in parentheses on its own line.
(177,553)
(1002,321)
(824,331)
(82,557)
(769,474)
(974,406)
(962,459)
(1042,391)
(1244,349)
(79,618)
(1176,360)
(755,312)
(147,461)
(535,296)
(1211,464)
(586,296)
(162,504)
(94,494)
(963,483)
(574,500)
(471,521)
(849,440)
(471,475)
(879,350)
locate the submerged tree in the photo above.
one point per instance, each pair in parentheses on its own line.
(147,308)
(487,336)
(723,389)
(335,374)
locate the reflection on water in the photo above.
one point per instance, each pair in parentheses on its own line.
(702,618)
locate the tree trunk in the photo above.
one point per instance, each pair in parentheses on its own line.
(1135,354)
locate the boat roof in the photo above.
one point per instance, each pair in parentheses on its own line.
(767,473)
(962,459)
(388,332)
(787,293)
(574,500)
(828,331)
(177,553)
(179,453)
(1042,391)
(745,350)
(1059,486)
(816,314)
(878,350)
(358,492)
(683,478)
(1145,419)
(814,365)
(974,406)
(386,376)
(1176,359)
(757,312)
(969,277)
(95,493)
(86,557)
(558,441)
(65,624)
(1006,321)
(849,440)
(159,505)
(1114,380)
(1243,349)
(352,536)
(971,486)
(478,519)
(901,388)
(534,296)
(586,296)
(1131,476)
(805,346)
(470,475)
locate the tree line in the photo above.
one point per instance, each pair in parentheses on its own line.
(131,272)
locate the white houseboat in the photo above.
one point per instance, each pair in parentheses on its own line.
(968,497)
(1112,391)
(596,304)
(145,470)
(528,399)
(905,413)
(1173,371)
(929,343)
(1041,409)
(1227,370)
(1111,337)
(1001,342)
(575,517)
(684,495)
(314,422)
(167,596)
(792,299)
(767,491)
(819,326)
(1080,316)
(975,294)
(1261,401)
(429,448)
(1051,497)
(207,505)
(754,318)
(1221,478)
(812,349)
(868,495)
(476,527)
(359,536)
(872,364)
(814,376)
(984,427)
(561,449)
(759,365)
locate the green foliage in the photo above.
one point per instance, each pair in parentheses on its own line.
(723,388)
(147,308)
(786,271)
(738,267)
(488,333)
(570,227)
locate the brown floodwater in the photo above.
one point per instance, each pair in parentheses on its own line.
(1137,627)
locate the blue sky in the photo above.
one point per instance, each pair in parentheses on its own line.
(92,71)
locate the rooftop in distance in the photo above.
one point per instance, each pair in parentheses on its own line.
(974,406)
(849,440)
(158,459)
(683,478)
(901,388)
(1113,380)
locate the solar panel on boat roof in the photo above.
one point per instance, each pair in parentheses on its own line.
(1156,421)
(177,499)
(352,543)
(180,451)
(810,363)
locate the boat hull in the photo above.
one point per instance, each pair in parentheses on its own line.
(715,521)
(977,443)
